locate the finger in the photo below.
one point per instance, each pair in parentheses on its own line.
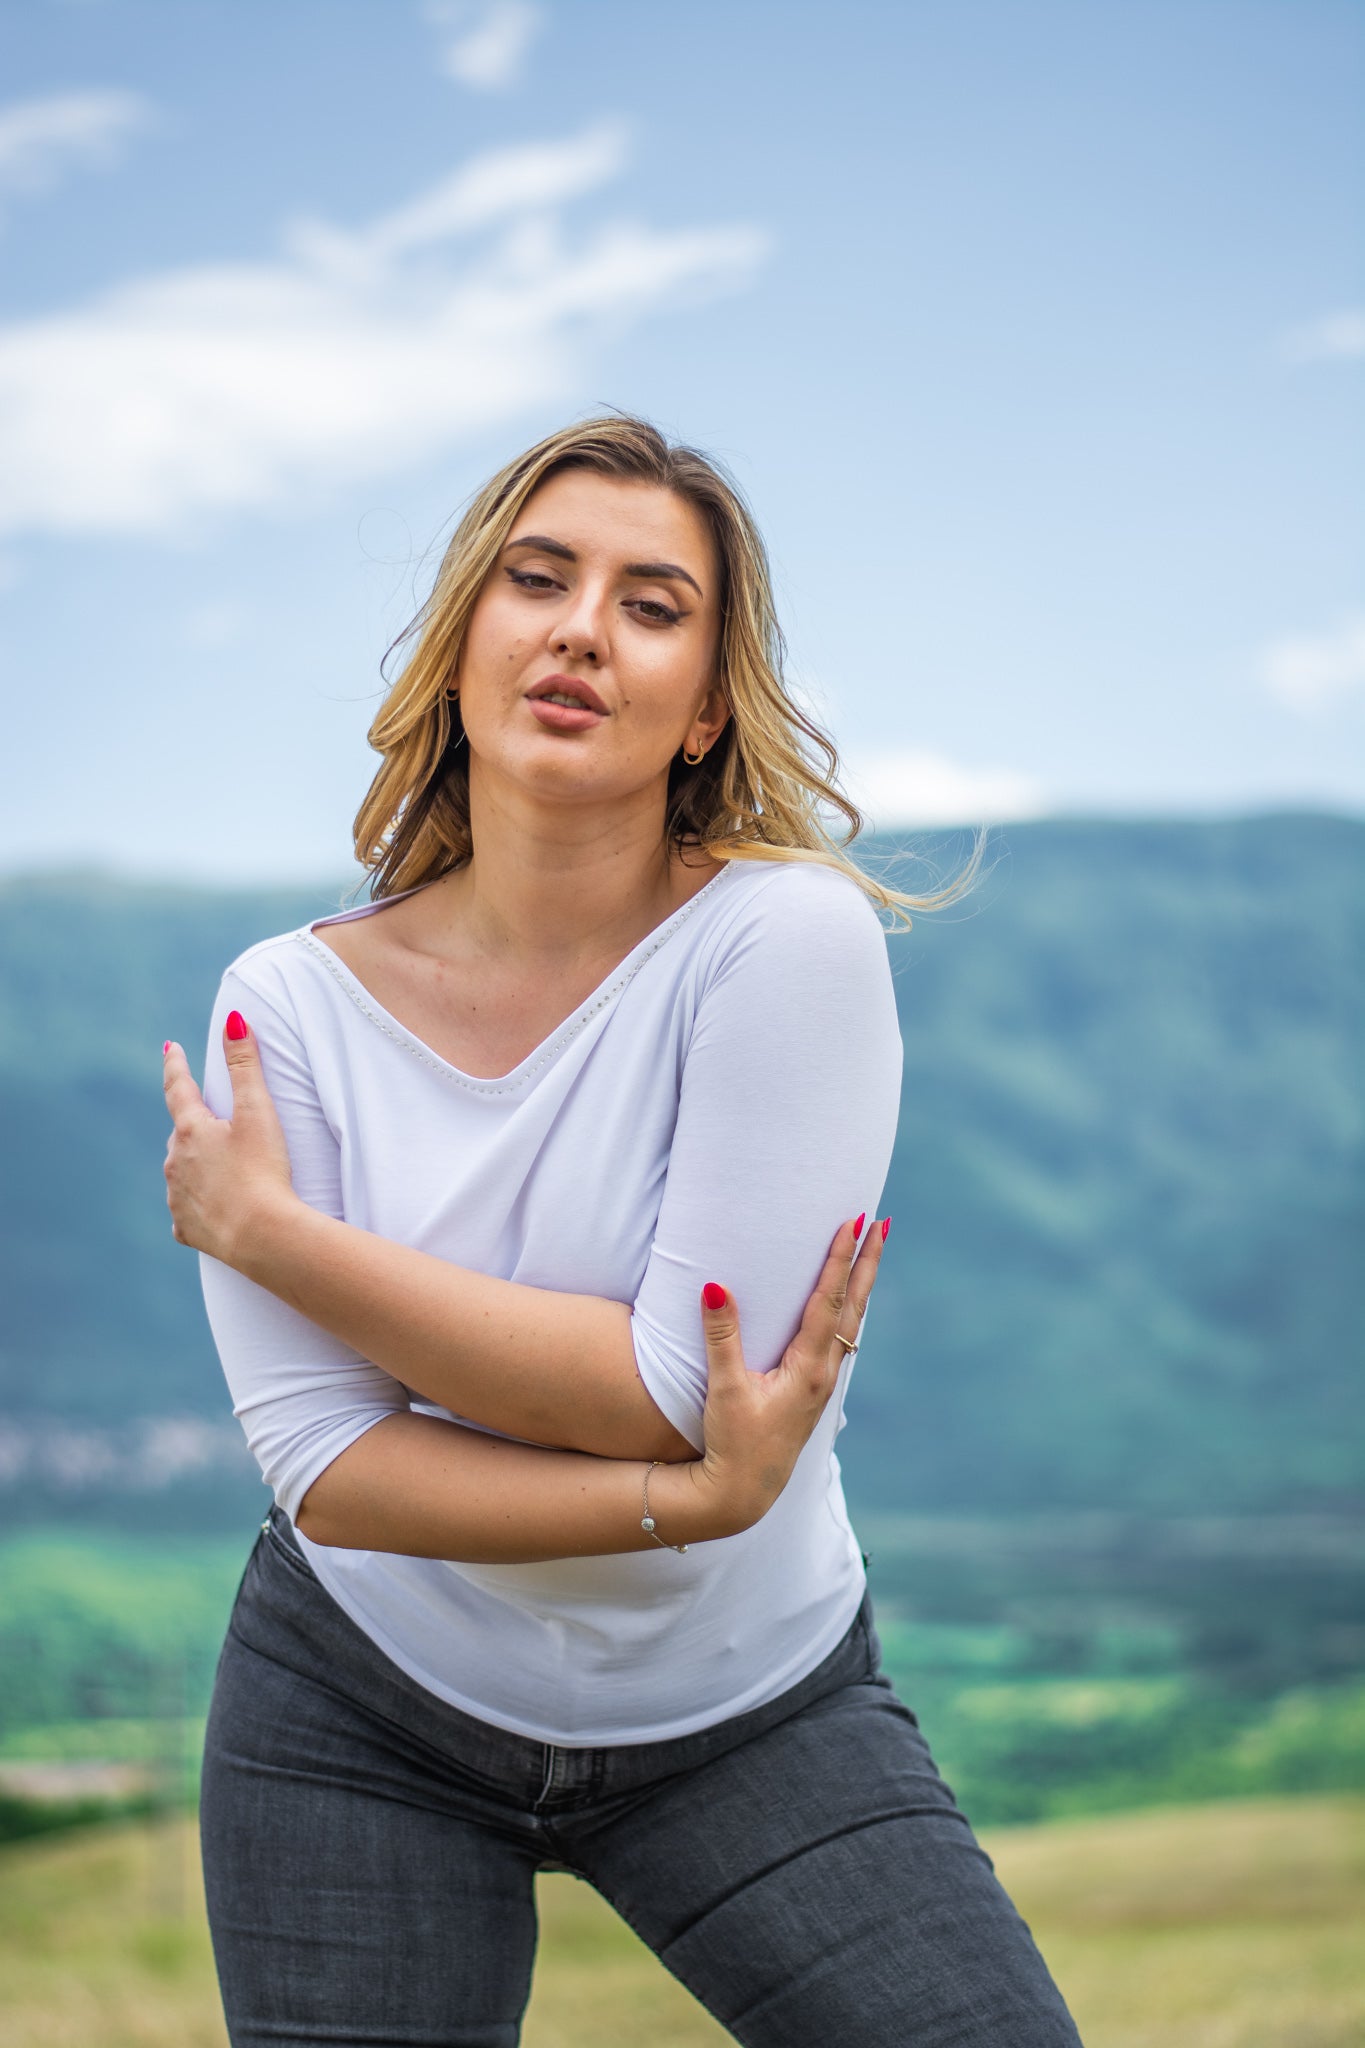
(249,1093)
(183,1099)
(720,1327)
(831,1289)
(864,1275)
(821,1316)
(175,1228)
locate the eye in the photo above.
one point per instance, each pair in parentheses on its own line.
(532,579)
(657,613)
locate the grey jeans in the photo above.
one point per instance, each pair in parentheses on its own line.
(369,1854)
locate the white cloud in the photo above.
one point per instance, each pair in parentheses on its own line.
(354,354)
(1314,672)
(904,787)
(498,183)
(41,139)
(1336,337)
(483,46)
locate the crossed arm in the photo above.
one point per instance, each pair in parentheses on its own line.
(323,1326)
(424,1487)
(464,1340)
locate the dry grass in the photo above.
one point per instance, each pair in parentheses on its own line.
(103,1942)
(1228,1926)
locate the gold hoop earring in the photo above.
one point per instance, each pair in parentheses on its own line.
(690,761)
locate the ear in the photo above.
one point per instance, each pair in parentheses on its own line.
(712,718)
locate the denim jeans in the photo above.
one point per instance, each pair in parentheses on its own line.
(370,1852)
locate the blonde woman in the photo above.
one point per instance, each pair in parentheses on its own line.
(488,1176)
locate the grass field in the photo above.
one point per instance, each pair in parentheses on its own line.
(1234,1925)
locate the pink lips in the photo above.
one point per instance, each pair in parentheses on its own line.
(564,717)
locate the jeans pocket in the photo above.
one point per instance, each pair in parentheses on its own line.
(285,1549)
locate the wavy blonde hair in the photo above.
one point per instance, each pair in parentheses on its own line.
(758,792)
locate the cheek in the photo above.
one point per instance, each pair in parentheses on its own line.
(660,687)
(497,640)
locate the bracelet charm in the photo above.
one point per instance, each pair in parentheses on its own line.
(647,1519)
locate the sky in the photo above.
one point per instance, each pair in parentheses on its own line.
(1033,330)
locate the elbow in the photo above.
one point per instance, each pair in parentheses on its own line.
(311,1520)
(339,1508)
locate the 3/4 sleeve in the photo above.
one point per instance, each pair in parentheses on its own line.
(786,1119)
(301,1395)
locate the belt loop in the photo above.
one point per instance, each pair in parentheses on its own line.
(551,1758)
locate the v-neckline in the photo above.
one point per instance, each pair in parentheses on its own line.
(549,1047)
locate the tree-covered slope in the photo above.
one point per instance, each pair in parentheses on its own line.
(101,1314)
(1128,1182)
(1130,1163)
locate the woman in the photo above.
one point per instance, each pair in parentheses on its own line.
(553,1580)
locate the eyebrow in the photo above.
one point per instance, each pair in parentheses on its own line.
(545,546)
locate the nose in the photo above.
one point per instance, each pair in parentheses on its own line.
(578,633)
(575,646)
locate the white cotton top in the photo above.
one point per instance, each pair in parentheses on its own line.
(716,1108)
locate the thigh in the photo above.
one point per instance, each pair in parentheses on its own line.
(818,1884)
(348,1899)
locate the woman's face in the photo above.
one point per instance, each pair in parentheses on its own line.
(607,591)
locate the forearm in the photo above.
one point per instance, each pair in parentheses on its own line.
(556,1369)
(427,1488)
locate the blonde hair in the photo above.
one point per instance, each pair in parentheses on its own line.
(755,796)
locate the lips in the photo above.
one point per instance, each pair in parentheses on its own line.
(564,717)
(567,686)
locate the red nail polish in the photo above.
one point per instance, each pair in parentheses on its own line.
(886,1225)
(165,1048)
(713,1296)
(236,1024)
(858,1226)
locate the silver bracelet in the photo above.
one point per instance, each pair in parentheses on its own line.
(647,1521)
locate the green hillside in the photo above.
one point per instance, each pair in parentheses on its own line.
(1130,1161)
(1127,1188)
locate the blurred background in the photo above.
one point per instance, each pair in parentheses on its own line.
(1034,330)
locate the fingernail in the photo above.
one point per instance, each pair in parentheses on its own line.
(713,1296)
(886,1225)
(165,1048)
(236,1024)
(858,1226)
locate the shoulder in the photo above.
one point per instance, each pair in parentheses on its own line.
(278,971)
(797,973)
(787,922)
(803,903)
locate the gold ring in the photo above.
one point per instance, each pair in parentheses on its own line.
(849,1348)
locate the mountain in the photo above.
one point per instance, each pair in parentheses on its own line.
(1130,1160)
(1126,1266)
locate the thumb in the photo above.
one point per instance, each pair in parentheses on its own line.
(243,1065)
(720,1327)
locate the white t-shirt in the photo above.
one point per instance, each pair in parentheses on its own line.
(716,1108)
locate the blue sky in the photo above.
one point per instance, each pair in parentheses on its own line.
(1035,333)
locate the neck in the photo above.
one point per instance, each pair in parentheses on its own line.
(560,882)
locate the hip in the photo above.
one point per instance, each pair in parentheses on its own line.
(285,1613)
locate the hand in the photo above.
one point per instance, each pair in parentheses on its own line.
(224,1179)
(756,1424)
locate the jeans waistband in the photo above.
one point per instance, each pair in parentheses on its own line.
(283,1611)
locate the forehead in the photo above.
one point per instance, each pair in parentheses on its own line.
(609,518)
